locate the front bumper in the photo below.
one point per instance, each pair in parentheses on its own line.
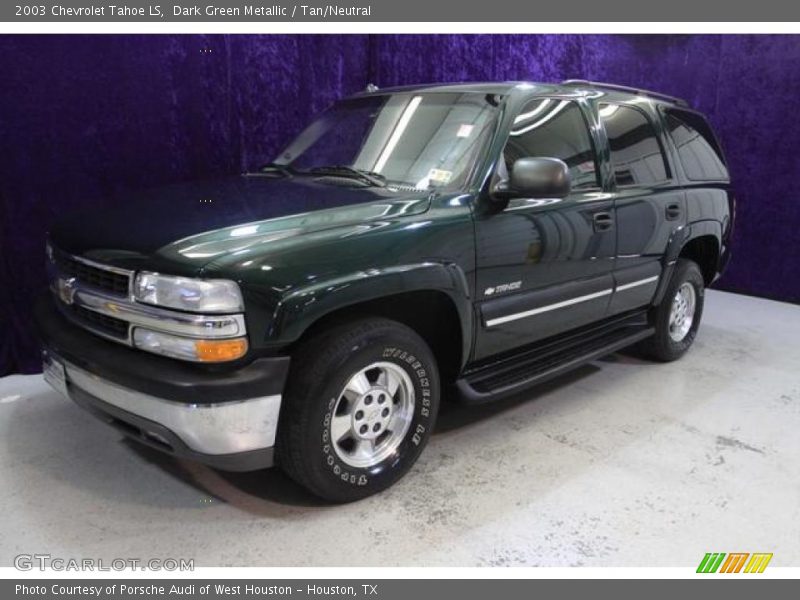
(225,418)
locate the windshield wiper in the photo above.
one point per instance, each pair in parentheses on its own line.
(370,177)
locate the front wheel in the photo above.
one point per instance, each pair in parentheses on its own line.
(677,317)
(361,403)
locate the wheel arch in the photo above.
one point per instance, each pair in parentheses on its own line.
(701,242)
(430,298)
(704,250)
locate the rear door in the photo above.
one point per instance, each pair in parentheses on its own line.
(649,203)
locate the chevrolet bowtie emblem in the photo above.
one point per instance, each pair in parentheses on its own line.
(66,290)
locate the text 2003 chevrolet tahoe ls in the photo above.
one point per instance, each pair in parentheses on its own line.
(484,236)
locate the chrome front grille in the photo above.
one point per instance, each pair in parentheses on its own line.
(71,275)
(100,323)
(101,277)
(99,298)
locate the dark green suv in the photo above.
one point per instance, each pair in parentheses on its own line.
(473,237)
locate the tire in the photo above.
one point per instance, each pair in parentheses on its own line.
(322,441)
(671,341)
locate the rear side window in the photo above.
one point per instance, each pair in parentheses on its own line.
(636,153)
(553,128)
(698,149)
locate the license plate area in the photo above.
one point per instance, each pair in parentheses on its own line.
(54,373)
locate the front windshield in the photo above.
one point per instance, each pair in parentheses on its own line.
(419,140)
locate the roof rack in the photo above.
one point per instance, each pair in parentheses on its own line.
(625,88)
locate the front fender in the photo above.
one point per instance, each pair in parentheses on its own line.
(304,306)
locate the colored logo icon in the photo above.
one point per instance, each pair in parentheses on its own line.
(734,562)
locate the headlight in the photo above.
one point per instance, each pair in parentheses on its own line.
(186,293)
(189,348)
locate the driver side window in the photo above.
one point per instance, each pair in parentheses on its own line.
(554,128)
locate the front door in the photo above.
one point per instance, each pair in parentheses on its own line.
(545,265)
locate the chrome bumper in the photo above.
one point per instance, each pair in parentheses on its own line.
(228,428)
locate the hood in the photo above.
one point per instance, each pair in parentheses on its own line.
(211,218)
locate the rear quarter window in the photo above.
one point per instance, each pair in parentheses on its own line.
(698,149)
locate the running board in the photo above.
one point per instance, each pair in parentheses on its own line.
(551,358)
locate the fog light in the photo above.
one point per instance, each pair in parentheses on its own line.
(189,348)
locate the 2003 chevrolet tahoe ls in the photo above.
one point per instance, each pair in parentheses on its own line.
(482,236)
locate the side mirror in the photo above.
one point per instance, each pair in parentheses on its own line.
(535,178)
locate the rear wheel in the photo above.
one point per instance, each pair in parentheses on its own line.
(677,317)
(360,405)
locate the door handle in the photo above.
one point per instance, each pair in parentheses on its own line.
(673,211)
(603,221)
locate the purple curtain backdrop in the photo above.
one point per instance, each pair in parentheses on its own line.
(85,118)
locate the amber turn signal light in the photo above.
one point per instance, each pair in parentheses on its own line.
(220,350)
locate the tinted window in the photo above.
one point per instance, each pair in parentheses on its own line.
(420,140)
(635,152)
(553,128)
(698,149)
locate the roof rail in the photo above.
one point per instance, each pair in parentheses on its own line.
(625,88)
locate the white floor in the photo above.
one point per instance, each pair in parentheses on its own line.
(622,463)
